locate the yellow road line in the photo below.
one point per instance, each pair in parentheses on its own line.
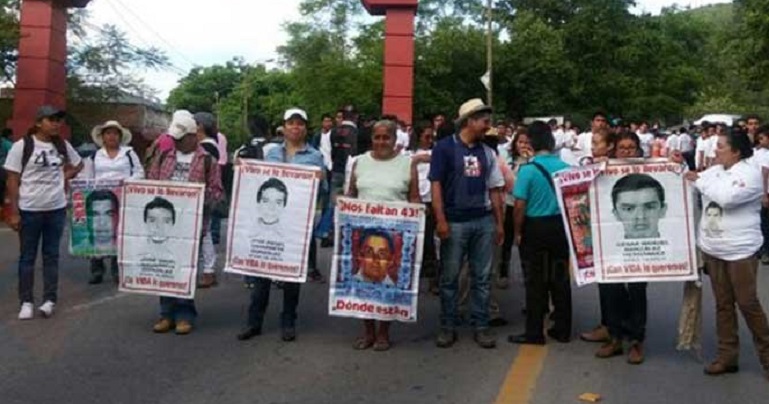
(521,379)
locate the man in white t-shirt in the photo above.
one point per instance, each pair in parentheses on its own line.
(672,143)
(38,167)
(584,144)
(646,138)
(403,140)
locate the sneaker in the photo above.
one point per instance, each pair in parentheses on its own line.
(446,338)
(95,279)
(47,308)
(485,339)
(27,311)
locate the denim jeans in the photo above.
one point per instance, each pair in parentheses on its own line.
(473,239)
(47,226)
(98,267)
(176,309)
(260,298)
(216,228)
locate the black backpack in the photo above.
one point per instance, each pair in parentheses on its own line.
(29,148)
(253,150)
(127,154)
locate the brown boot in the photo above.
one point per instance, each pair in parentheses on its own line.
(717,368)
(183,327)
(207,281)
(164,325)
(599,334)
(610,349)
(636,355)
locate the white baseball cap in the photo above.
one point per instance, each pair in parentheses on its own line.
(293,112)
(182,123)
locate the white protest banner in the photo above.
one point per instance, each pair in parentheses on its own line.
(642,223)
(271,220)
(160,231)
(94,208)
(572,188)
(377,259)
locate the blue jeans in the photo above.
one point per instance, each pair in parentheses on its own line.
(473,239)
(47,226)
(176,309)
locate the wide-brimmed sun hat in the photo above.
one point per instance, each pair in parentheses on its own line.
(98,132)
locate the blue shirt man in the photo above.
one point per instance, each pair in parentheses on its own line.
(535,188)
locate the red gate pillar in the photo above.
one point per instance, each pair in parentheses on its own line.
(398,55)
(41,76)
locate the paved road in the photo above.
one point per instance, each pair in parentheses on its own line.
(99,348)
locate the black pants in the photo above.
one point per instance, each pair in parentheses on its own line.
(765,230)
(429,260)
(545,261)
(260,299)
(507,247)
(603,298)
(626,304)
(98,267)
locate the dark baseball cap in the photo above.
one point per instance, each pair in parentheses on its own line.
(49,111)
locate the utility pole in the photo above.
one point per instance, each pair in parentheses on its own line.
(489,55)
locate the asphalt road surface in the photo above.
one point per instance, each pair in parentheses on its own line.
(99,348)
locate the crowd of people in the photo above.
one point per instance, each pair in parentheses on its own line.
(486,188)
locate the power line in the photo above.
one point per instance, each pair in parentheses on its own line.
(170,66)
(152,30)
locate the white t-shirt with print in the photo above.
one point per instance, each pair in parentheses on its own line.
(423,172)
(42,180)
(183,164)
(730,228)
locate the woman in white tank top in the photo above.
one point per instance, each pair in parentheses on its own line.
(382,175)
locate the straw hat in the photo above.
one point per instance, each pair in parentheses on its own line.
(98,131)
(471,107)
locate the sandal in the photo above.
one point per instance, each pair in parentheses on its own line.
(381,345)
(363,343)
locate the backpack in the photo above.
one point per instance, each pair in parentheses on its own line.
(127,154)
(29,148)
(253,150)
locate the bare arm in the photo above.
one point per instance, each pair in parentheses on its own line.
(414,186)
(352,192)
(519,217)
(12,193)
(442,228)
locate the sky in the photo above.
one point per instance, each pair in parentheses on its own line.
(202,36)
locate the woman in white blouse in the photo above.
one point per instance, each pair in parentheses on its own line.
(115,160)
(729,237)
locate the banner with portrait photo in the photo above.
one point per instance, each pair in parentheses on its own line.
(94,212)
(160,230)
(272,216)
(573,191)
(377,259)
(642,221)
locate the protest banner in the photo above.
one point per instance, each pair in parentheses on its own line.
(160,231)
(94,207)
(377,259)
(573,191)
(642,223)
(271,220)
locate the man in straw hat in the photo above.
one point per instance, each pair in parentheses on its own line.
(466,182)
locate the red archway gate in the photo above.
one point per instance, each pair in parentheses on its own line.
(399,55)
